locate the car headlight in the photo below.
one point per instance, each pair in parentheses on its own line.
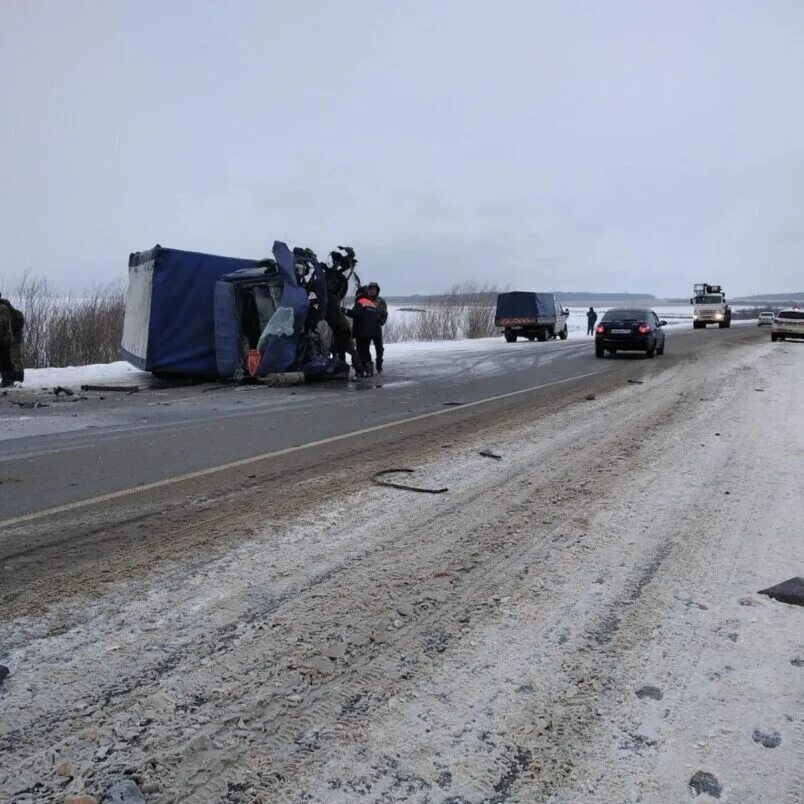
(718,315)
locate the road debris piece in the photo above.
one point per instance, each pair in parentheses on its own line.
(452,404)
(59,390)
(767,739)
(636,382)
(65,769)
(491,455)
(123,389)
(33,405)
(4,671)
(590,397)
(376,480)
(790,591)
(705,782)
(281,380)
(654,693)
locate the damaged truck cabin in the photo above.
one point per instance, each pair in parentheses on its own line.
(201,315)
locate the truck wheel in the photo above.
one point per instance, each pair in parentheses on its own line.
(728,324)
(774,337)
(722,325)
(651,352)
(563,334)
(696,325)
(541,336)
(599,351)
(531,338)
(510,337)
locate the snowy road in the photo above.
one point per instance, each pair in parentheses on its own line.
(576,621)
(90,445)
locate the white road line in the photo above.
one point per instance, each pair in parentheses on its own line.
(116,495)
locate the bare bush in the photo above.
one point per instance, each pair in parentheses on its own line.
(464,311)
(69,330)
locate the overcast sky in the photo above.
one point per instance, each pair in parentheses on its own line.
(621,145)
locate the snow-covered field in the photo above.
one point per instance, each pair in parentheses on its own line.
(589,635)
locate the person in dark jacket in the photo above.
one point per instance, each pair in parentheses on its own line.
(591,320)
(364,328)
(382,317)
(6,342)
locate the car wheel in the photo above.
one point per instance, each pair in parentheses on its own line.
(774,337)
(651,352)
(563,334)
(660,349)
(599,351)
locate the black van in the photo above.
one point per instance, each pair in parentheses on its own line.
(536,316)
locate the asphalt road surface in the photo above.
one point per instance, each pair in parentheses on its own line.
(73,453)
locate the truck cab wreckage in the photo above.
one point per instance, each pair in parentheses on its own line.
(278,319)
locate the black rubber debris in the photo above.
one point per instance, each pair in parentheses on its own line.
(790,591)
(124,389)
(401,486)
(705,782)
(654,693)
(451,404)
(59,390)
(767,739)
(636,382)
(491,455)
(3,673)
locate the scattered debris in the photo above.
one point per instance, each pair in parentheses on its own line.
(59,390)
(717,434)
(65,769)
(491,455)
(452,404)
(768,739)
(32,405)
(590,397)
(636,382)
(797,661)
(654,693)
(705,782)
(759,389)
(123,389)
(445,574)
(790,591)
(402,486)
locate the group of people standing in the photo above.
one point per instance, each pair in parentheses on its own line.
(369,314)
(12,324)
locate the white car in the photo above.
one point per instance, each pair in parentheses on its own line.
(765,318)
(788,324)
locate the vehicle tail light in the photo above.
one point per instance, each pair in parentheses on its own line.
(600,329)
(644,329)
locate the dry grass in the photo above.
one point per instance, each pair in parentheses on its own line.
(465,311)
(68,330)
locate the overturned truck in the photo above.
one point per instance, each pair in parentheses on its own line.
(202,315)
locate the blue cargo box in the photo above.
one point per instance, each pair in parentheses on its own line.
(169,325)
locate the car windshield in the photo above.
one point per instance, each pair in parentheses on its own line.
(626,315)
(708,299)
(794,315)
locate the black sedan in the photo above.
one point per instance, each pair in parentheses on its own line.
(630,331)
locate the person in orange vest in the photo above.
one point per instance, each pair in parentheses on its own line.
(364,329)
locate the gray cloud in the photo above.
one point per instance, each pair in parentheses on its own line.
(570,145)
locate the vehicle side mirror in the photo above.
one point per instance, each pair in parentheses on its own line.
(566,312)
(663,323)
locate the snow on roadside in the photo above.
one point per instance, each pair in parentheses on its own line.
(71,376)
